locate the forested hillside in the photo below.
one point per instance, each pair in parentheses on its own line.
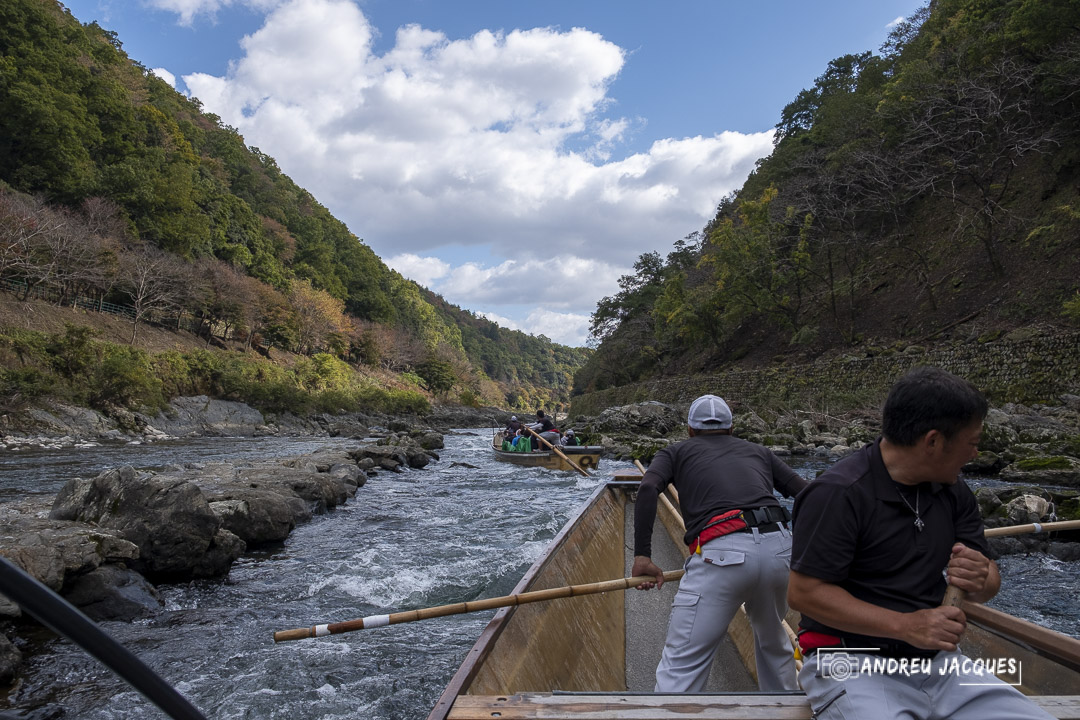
(115,187)
(929,191)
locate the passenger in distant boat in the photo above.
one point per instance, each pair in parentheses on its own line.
(740,542)
(546,430)
(872,536)
(512,427)
(519,436)
(569,439)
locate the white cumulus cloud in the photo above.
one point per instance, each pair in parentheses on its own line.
(467,142)
(165,75)
(424,270)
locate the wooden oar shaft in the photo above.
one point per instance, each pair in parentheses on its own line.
(558,452)
(468,607)
(1033,528)
(954,596)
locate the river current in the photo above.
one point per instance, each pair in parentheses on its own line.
(407,540)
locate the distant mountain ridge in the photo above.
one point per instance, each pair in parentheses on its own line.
(111,159)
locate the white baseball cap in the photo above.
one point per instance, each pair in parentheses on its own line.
(709,412)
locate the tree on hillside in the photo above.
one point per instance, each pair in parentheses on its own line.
(761,265)
(153,279)
(319,316)
(968,130)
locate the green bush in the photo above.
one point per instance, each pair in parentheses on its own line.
(74,353)
(125,377)
(74,366)
(20,385)
(1071,308)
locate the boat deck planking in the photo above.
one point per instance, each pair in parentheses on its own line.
(652,706)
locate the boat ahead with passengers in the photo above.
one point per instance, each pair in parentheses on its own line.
(586,456)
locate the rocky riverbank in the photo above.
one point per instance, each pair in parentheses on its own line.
(1037,447)
(1028,444)
(103,542)
(57,425)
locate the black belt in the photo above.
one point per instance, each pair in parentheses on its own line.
(763,529)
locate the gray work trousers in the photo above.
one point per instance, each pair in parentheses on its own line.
(843,685)
(731,570)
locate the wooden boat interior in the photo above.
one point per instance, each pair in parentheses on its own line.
(594,656)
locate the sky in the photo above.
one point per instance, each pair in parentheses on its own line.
(514,156)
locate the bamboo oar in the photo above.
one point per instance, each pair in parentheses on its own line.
(954,596)
(562,592)
(558,452)
(374,621)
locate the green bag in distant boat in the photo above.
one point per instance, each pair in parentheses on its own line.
(507,446)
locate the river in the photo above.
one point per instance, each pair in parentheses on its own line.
(415,539)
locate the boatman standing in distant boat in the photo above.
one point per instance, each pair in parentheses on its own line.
(545,428)
(873,535)
(740,543)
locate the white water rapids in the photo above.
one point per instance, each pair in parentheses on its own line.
(409,540)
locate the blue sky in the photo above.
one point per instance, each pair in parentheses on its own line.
(515,157)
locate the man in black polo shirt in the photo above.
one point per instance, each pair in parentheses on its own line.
(739,548)
(873,535)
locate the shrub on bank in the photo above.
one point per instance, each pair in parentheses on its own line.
(75,367)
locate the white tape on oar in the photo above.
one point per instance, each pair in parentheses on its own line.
(322,630)
(376,621)
(1038,527)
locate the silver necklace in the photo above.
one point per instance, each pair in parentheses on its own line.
(918,520)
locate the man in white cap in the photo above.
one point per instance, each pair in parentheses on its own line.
(740,547)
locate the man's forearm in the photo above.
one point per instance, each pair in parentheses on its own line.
(644,517)
(834,606)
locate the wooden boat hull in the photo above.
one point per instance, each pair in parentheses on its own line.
(586,456)
(597,653)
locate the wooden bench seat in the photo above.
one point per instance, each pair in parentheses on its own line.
(650,706)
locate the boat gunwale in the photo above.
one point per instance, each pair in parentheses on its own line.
(470,666)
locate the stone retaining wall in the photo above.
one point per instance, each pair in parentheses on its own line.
(1024,366)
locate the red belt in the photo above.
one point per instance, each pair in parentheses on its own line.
(722,524)
(809,641)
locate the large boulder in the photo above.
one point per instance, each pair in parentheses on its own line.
(997,437)
(650,417)
(168,519)
(387,457)
(430,440)
(113,592)
(986,463)
(255,516)
(320,491)
(1026,509)
(1052,470)
(201,415)
(55,552)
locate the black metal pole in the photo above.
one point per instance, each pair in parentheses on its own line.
(65,619)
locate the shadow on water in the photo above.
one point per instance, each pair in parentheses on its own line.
(416,539)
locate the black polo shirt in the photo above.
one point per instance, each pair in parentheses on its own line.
(853,529)
(712,473)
